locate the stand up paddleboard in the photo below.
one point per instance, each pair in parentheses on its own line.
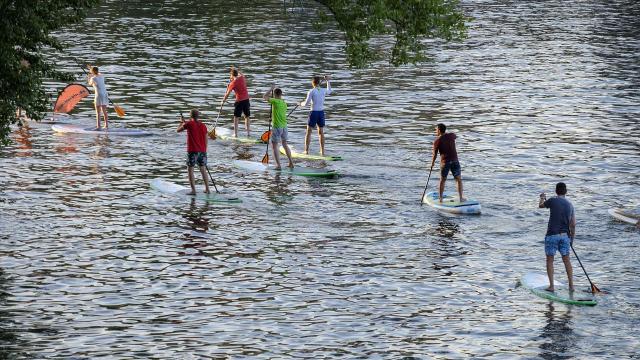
(627,217)
(298,170)
(77,129)
(227,135)
(168,187)
(537,283)
(451,203)
(299,155)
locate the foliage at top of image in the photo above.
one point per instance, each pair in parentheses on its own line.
(408,21)
(25,30)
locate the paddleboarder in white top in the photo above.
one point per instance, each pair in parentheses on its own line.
(101,100)
(561,230)
(315,97)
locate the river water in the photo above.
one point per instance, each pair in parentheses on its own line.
(94,264)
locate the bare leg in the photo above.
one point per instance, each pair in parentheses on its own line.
(550,272)
(288,152)
(203,171)
(307,140)
(235,126)
(321,139)
(246,125)
(441,188)
(459,183)
(569,268)
(192,182)
(105,116)
(97,116)
(276,154)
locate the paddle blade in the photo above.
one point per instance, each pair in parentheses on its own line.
(265,137)
(212,134)
(265,159)
(594,289)
(119,110)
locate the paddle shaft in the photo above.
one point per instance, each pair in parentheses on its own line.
(425,187)
(594,288)
(265,158)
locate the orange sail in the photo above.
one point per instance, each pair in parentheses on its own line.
(69,97)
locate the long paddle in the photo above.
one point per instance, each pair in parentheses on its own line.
(594,288)
(212,133)
(425,187)
(119,110)
(265,158)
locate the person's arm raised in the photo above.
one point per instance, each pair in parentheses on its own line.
(267,95)
(543,198)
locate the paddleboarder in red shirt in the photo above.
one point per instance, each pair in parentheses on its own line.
(241,106)
(196,148)
(445,144)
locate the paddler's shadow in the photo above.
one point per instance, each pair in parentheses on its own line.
(558,334)
(278,193)
(102,147)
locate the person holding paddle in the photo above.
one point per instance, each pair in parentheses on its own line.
(561,231)
(242,105)
(279,132)
(315,97)
(101,100)
(445,144)
(196,148)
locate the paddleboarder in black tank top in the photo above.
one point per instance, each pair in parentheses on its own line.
(445,144)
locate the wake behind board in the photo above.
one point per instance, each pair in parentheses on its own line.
(77,129)
(168,187)
(299,155)
(627,217)
(537,283)
(298,170)
(227,135)
(451,203)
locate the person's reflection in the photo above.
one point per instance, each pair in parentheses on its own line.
(444,245)
(279,193)
(102,148)
(558,332)
(198,222)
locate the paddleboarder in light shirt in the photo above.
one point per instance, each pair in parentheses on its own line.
(445,144)
(101,100)
(561,230)
(315,97)
(196,148)
(242,105)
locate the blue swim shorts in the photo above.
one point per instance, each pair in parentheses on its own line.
(559,242)
(316,118)
(196,157)
(453,166)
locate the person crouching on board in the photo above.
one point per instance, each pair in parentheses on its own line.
(561,230)
(101,100)
(196,148)
(279,130)
(445,144)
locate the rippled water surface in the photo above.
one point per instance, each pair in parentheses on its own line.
(96,264)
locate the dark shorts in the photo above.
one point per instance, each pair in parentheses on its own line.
(196,157)
(316,118)
(454,166)
(242,107)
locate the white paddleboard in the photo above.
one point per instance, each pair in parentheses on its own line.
(451,203)
(537,283)
(227,134)
(77,129)
(171,188)
(627,217)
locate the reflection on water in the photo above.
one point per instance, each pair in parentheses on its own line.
(312,268)
(560,340)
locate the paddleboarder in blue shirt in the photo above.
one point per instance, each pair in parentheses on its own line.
(561,230)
